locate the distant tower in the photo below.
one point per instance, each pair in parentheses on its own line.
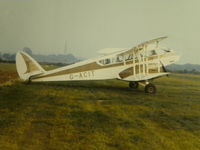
(65,47)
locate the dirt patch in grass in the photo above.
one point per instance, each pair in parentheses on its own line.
(6,76)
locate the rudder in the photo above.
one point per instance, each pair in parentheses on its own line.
(27,66)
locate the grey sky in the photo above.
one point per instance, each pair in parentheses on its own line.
(90,25)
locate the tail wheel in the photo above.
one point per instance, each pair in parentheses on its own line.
(29,80)
(150,88)
(133,85)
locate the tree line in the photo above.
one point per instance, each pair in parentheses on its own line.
(58,59)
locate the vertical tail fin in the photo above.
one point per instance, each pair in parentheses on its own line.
(27,66)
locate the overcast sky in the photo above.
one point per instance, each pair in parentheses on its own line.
(90,25)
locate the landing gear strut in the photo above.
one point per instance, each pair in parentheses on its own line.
(133,85)
(150,88)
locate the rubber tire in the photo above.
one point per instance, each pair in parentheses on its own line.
(150,88)
(133,85)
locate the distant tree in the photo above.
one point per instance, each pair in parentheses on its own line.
(28,51)
(185,71)
(193,71)
(12,57)
(8,57)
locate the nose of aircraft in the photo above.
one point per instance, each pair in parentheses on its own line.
(170,59)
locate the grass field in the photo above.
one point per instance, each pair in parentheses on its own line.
(99,115)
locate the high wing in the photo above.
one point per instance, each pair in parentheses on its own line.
(107,51)
(143,45)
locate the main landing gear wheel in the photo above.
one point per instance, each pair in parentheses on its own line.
(133,85)
(150,88)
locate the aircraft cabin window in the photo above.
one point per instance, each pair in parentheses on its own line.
(151,53)
(113,60)
(101,61)
(129,57)
(119,59)
(107,61)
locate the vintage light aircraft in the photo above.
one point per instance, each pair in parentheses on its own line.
(139,64)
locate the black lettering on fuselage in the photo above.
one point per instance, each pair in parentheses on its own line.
(85,74)
(82,75)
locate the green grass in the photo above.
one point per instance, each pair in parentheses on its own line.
(7,67)
(101,115)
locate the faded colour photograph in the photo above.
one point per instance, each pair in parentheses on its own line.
(99,75)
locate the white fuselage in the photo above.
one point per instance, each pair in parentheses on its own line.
(94,70)
(140,63)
